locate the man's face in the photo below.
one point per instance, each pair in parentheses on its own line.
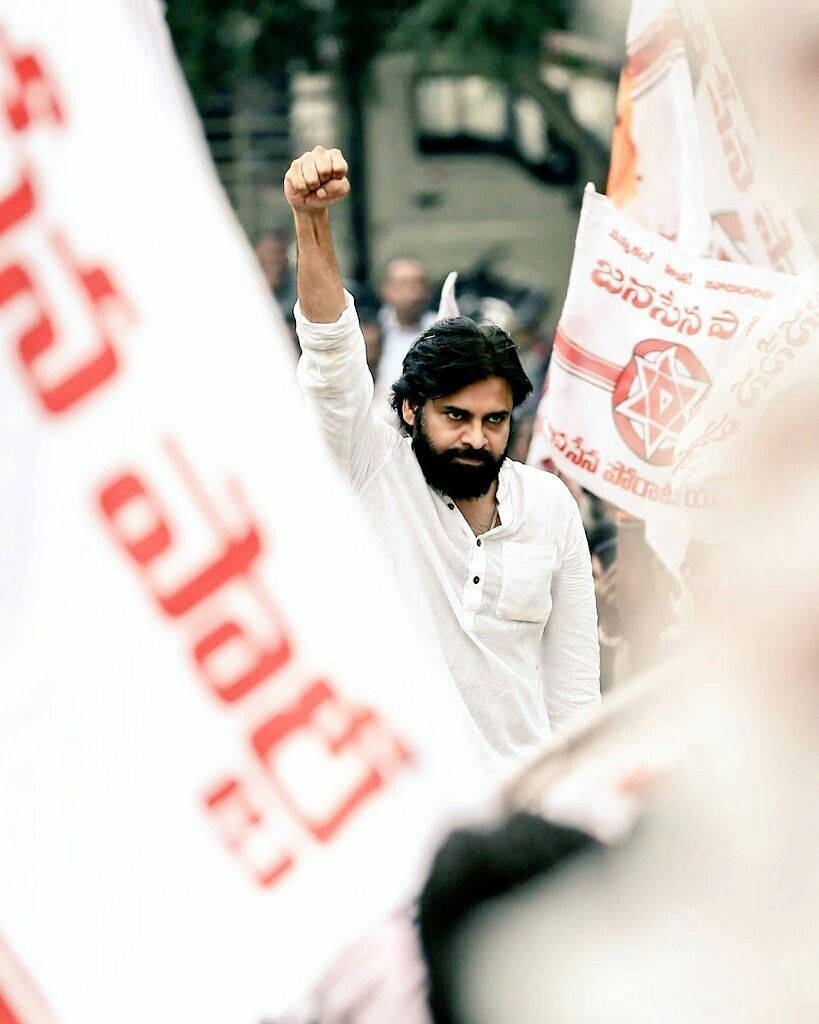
(460,440)
(406,290)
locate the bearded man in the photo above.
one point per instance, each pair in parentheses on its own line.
(490,554)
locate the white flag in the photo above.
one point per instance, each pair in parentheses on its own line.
(686,161)
(448,303)
(643,331)
(221,754)
(779,353)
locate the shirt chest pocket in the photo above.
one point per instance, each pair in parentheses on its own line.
(527,581)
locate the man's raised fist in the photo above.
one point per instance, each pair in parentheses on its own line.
(316,179)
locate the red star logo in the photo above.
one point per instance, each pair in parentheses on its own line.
(663,400)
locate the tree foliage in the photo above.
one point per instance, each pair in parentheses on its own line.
(220,39)
(495,38)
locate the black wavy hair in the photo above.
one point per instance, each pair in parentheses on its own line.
(453,353)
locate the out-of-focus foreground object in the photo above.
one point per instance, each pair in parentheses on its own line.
(221,755)
(708,910)
(686,161)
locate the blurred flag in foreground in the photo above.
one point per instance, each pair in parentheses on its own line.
(685,160)
(221,755)
(643,331)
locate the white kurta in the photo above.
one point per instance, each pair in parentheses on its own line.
(512,612)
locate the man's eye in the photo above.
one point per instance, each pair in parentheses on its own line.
(455,415)
(500,418)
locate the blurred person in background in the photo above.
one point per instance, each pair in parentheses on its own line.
(535,349)
(521,438)
(373,337)
(404,315)
(636,618)
(272,251)
(491,554)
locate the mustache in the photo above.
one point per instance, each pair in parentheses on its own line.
(477,454)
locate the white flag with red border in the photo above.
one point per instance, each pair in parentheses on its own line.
(222,755)
(643,331)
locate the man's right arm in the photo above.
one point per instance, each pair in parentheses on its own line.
(333,369)
(313,183)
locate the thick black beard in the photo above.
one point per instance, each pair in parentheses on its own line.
(455,479)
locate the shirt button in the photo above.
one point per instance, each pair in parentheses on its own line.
(479,543)
(476,579)
(451,505)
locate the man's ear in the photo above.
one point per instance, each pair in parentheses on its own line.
(408,412)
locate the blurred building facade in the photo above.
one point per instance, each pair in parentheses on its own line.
(458,169)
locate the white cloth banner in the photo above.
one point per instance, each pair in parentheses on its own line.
(221,755)
(643,331)
(779,354)
(686,161)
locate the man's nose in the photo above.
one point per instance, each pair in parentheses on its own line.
(473,436)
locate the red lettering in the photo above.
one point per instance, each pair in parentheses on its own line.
(18,204)
(16,283)
(234,561)
(104,299)
(34,96)
(117,501)
(74,387)
(243,829)
(340,728)
(95,282)
(40,338)
(143,531)
(7,1014)
(259,662)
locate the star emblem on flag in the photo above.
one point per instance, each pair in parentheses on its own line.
(663,395)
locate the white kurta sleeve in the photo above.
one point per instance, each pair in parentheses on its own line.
(333,375)
(570,653)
